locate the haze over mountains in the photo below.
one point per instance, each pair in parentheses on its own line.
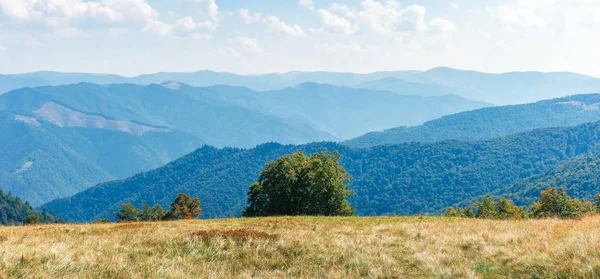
(492,122)
(499,89)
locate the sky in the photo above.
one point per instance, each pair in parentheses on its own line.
(132,37)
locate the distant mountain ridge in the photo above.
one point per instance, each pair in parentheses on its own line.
(488,123)
(500,89)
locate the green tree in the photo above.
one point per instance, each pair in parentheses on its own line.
(128,213)
(152,214)
(555,202)
(506,209)
(486,208)
(301,185)
(185,207)
(32,219)
(597,202)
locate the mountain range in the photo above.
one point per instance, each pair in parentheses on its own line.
(59,140)
(404,179)
(499,89)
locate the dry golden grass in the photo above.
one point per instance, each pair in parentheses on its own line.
(307,247)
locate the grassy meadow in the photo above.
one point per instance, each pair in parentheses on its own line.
(306,247)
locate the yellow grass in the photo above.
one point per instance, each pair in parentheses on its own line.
(307,247)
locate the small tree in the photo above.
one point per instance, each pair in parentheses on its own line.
(556,203)
(486,208)
(451,212)
(128,213)
(152,214)
(506,209)
(597,202)
(32,219)
(185,208)
(301,185)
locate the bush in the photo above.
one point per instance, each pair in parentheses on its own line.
(32,219)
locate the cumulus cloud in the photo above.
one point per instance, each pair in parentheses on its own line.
(249,17)
(158,27)
(386,18)
(278,25)
(63,12)
(307,3)
(336,24)
(188,24)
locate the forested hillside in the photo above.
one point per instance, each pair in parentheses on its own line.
(487,123)
(13,211)
(580,177)
(41,161)
(396,179)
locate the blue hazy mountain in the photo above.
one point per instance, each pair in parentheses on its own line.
(504,88)
(487,123)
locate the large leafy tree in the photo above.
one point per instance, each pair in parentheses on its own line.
(301,185)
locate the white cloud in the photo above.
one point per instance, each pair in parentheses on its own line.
(336,24)
(213,9)
(63,12)
(307,3)
(453,4)
(188,24)
(278,25)
(441,25)
(514,16)
(159,27)
(2,48)
(386,18)
(250,46)
(249,17)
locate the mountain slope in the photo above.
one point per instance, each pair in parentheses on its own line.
(13,211)
(397,179)
(404,87)
(509,88)
(41,161)
(492,122)
(580,178)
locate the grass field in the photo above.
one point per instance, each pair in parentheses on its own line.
(308,247)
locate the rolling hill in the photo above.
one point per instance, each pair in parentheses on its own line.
(395,179)
(492,122)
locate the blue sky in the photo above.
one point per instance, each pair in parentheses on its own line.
(132,37)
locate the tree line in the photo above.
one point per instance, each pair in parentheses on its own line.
(182,208)
(552,203)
